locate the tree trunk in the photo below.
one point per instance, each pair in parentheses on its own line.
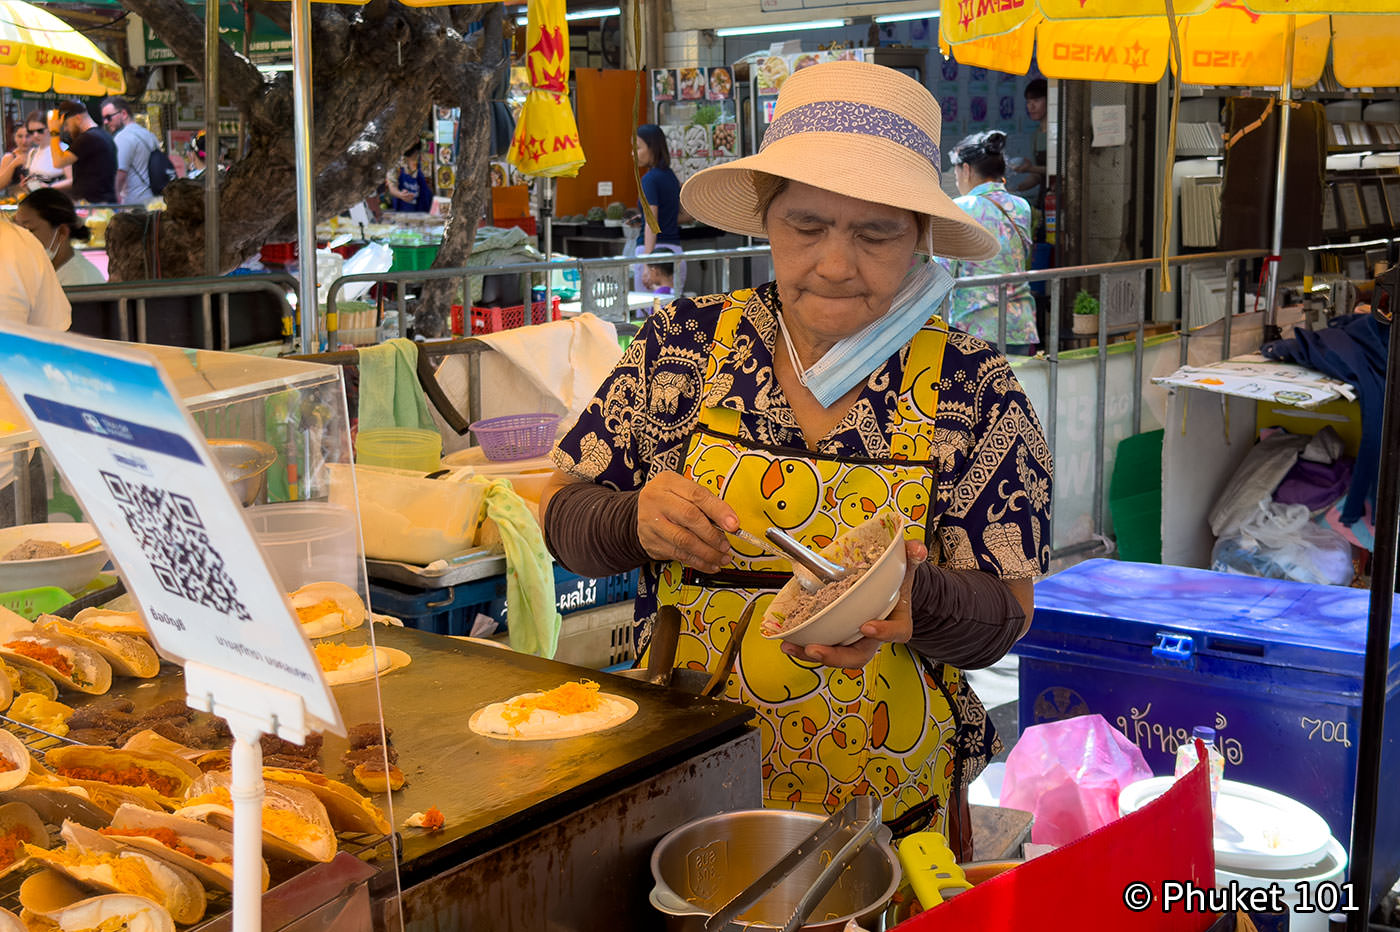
(377,70)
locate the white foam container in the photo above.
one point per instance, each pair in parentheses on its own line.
(1263,838)
(1327,871)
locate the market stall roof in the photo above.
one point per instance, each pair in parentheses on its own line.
(40,52)
(1222,42)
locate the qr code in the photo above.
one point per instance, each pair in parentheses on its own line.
(175,542)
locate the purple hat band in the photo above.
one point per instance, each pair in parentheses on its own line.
(841,116)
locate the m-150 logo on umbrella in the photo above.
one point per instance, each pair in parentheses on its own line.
(546,61)
(546,142)
(1132,56)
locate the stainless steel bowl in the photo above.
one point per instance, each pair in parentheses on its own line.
(243,464)
(704,864)
(683,679)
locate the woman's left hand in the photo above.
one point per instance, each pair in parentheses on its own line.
(896,628)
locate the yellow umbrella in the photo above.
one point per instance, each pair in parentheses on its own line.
(1228,42)
(546,143)
(40,52)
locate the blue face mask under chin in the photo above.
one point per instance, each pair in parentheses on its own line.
(852,359)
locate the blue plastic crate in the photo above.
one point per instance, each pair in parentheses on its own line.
(453,610)
(1275,666)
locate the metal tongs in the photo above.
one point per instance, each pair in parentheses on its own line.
(860,816)
(809,568)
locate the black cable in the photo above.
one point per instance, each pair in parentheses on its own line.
(124,15)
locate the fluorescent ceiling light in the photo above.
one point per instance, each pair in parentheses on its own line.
(524,19)
(594,14)
(902,17)
(781,27)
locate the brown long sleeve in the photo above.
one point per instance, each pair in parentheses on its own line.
(592,530)
(966,618)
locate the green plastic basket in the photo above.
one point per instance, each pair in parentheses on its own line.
(412,258)
(1135,497)
(31,603)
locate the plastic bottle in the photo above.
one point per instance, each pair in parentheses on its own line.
(1186,759)
(389,326)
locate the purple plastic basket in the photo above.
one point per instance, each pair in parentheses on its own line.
(515,436)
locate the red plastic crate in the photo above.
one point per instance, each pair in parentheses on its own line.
(496,319)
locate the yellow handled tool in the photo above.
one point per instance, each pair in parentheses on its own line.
(929,867)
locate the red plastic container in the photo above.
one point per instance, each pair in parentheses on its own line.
(280,253)
(496,319)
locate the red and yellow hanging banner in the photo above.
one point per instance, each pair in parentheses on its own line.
(546,135)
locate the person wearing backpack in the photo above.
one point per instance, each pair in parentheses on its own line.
(136,147)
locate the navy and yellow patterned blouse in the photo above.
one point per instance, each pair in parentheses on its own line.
(992,510)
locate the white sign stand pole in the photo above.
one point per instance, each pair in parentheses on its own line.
(251,710)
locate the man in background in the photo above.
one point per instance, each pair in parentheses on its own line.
(135,144)
(1034,169)
(91,152)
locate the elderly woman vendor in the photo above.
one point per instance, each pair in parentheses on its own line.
(812,403)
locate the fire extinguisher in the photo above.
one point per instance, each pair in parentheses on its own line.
(1050,210)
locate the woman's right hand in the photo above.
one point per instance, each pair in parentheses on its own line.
(678,519)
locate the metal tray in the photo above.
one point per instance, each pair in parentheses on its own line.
(480,567)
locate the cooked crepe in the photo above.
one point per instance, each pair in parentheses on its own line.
(563,712)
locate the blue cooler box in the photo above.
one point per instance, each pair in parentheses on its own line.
(1274,666)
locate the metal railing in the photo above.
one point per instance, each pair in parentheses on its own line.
(604,283)
(132,300)
(1131,324)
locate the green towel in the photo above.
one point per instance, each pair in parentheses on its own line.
(390,395)
(531,615)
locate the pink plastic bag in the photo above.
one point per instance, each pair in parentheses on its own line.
(1068,774)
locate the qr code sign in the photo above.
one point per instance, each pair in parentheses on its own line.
(174,540)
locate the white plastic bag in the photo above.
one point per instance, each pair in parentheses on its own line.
(1283,542)
(372,257)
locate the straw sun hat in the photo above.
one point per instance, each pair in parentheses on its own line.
(857,129)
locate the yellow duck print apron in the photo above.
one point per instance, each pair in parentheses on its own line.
(827,733)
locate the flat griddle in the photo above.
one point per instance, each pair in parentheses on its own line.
(490,791)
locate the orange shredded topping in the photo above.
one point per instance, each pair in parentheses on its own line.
(168,837)
(335,656)
(12,843)
(309,613)
(130,875)
(433,819)
(45,655)
(569,699)
(130,775)
(278,822)
(6,765)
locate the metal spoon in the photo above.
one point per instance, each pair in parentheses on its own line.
(804,577)
(820,566)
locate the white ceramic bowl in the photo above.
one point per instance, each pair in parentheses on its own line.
(69,573)
(871,596)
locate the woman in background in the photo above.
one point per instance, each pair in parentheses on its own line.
(980,170)
(12,163)
(51,217)
(195,156)
(410,189)
(660,189)
(40,169)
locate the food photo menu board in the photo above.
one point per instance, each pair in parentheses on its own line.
(695,108)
